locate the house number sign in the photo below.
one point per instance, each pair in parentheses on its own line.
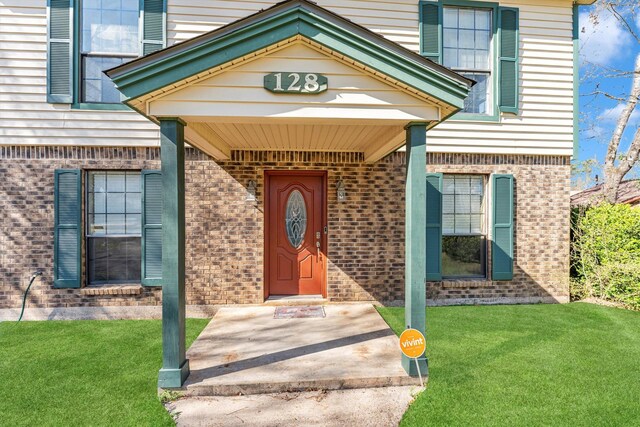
(298,83)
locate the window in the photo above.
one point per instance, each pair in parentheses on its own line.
(109,37)
(466,48)
(114,227)
(480,40)
(463,226)
(86,37)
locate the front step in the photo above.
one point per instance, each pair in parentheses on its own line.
(297,386)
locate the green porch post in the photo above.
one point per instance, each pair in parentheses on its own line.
(175,366)
(416,236)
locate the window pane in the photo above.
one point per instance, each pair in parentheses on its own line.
(483,20)
(482,40)
(463,204)
(116,182)
(116,224)
(463,224)
(133,182)
(108,27)
(97,203)
(449,184)
(476,102)
(467,40)
(448,203)
(467,18)
(463,256)
(450,17)
(450,38)
(134,224)
(114,260)
(476,185)
(96,86)
(133,203)
(115,203)
(476,224)
(448,224)
(450,57)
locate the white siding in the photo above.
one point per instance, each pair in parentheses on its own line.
(545,122)
(544,125)
(25,116)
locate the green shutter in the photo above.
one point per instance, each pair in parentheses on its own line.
(434,227)
(430,15)
(67,233)
(508,60)
(502,242)
(153,25)
(152,228)
(60,51)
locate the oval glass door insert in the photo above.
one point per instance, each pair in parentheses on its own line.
(296,219)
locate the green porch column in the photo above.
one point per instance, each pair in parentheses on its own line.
(175,366)
(416,236)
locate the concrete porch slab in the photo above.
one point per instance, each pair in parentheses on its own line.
(245,350)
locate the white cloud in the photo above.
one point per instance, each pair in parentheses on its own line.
(604,41)
(611,115)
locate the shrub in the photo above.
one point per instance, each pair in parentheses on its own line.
(606,254)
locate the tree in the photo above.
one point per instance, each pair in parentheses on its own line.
(618,162)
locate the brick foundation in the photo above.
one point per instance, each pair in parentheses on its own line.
(225,231)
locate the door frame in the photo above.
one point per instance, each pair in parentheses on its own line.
(267,211)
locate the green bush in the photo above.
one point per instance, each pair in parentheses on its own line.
(606,254)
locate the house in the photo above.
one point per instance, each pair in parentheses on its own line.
(628,193)
(232,151)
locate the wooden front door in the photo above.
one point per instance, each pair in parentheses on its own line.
(295,233)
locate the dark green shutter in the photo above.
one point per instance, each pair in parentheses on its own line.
(60,51)
(508,61)
(67,234)
(430,14)
(502,243)
(434,227)
(152,228)
(153,25)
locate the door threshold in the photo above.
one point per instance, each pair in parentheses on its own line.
(296,300)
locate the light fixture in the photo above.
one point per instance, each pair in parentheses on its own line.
(340,191)
(251,191)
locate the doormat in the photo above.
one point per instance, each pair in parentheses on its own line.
(299,312)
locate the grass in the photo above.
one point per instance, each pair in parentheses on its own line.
(84,373)
(575,364)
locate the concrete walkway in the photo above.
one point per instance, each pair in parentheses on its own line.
(245,350)
(379,407)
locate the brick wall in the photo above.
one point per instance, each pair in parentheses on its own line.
(225,230)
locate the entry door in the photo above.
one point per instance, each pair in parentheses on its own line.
(295,233)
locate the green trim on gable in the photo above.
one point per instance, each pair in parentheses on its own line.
(161,69)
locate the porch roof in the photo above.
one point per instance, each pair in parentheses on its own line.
(415,88)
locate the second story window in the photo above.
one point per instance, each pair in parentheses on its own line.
(467,36)
(480,40)
(109,37)
(86,37)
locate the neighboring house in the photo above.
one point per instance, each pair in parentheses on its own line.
(628,193)
(296,172)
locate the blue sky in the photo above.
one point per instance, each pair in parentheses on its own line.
(611,46)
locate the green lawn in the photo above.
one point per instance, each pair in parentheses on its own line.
(83,373)
(575,364)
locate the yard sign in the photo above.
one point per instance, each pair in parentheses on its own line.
(413,344)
